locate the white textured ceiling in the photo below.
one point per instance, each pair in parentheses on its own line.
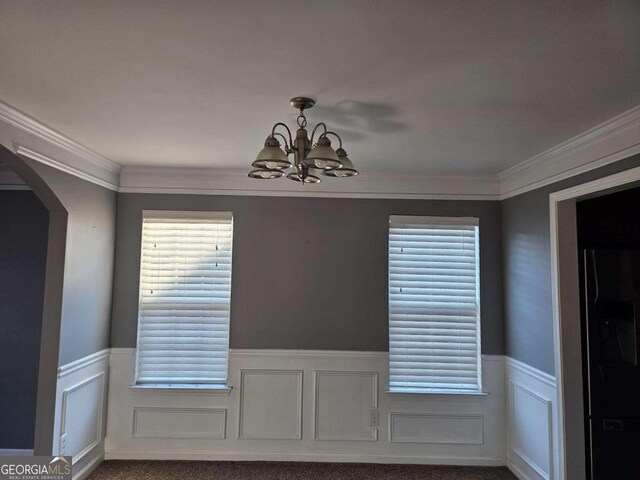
(414,86)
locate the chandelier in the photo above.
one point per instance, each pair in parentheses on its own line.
(308,158)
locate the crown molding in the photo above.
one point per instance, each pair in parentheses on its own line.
(64,167)
(613,140)
(606,143)
(82,162)
(372,185)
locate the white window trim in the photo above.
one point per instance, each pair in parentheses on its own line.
(202,388)
(435,221)
(197,215)
(443,393)
(439,394)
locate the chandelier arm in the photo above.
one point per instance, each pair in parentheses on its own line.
(273,131)
(287,149)
(314,131)
(335,135)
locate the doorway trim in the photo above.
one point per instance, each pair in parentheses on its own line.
(566,315)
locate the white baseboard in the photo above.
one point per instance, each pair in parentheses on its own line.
(517,471)
(302,457)
(85,471)
(524,469)
(16,452)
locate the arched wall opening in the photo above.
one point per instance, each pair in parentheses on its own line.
(52,299)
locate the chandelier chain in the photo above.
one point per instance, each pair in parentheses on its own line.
(301,120)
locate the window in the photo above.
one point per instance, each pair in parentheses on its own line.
(434,304)
(185,298)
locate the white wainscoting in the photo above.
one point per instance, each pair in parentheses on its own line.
(459,429)
(532,434)
(161,422)
(270,404)
(344,405)
(305,406)
(81,399)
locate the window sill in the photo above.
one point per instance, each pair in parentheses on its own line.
(214,390)
(435,394)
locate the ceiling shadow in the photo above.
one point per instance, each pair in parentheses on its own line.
(360,118)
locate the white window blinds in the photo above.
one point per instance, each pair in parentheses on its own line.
(434,304)
(185,298)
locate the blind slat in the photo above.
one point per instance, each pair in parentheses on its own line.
(434,305)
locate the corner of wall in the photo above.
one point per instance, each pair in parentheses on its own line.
(81,412)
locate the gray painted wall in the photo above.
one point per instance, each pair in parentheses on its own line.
(88,268)
(308,273)
(527,269)
(24,224)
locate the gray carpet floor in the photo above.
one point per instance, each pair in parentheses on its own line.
(148,470)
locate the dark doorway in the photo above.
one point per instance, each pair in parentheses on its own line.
(609,253)
(24,225)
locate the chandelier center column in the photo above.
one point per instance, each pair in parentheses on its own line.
(301,147)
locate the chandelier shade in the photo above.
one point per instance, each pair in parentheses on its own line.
(266,173)
(322,156)
(272,157)
(273,160)
(346,170)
